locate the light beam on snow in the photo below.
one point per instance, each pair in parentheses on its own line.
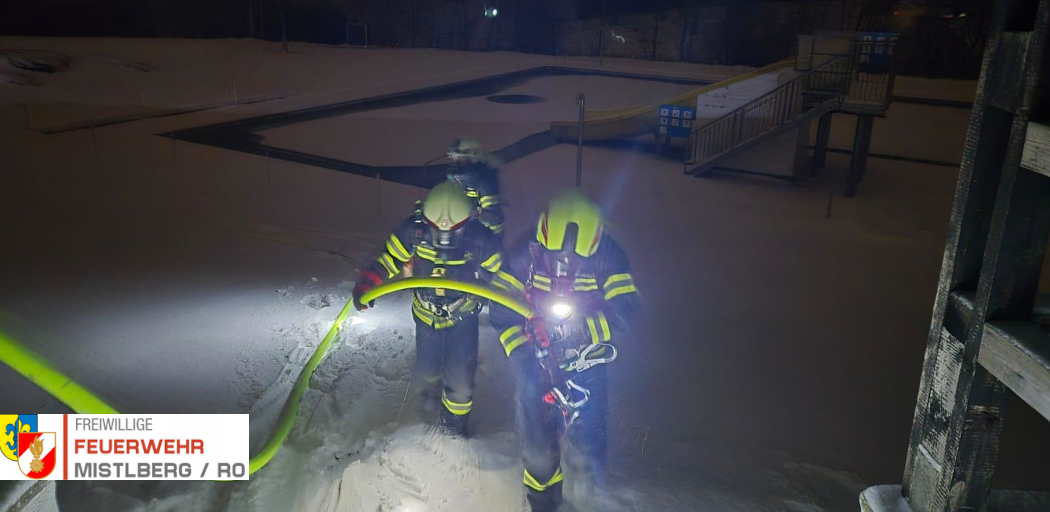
(42,373)
(616,186)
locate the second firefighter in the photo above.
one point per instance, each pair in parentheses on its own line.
(443,239)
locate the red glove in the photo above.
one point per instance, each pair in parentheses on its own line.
(365,282)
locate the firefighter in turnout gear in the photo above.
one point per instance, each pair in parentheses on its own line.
(442,239)
(475,173)
(578,280)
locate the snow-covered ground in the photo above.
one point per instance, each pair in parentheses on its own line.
(778,354)
(496,125)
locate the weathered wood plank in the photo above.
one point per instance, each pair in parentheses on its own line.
(1036,155)
(888,498)
(883,498)
(993,249)
(1018,501)
(1008,68)
(1018,354)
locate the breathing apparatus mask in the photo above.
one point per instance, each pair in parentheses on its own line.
(446,237)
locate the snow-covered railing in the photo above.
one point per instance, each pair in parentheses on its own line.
(828,81)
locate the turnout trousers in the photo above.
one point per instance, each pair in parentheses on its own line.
(446,360)
(543,426)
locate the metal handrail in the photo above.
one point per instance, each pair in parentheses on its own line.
(784,85)
(774,109)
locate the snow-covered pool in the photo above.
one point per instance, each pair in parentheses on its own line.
(780,348)
(398,136)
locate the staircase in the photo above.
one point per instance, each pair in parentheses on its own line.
(815,92)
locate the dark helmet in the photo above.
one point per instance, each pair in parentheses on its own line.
(466,150)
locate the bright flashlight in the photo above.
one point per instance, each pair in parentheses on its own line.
(561,310)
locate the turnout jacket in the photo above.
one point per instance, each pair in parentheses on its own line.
(602,290)
(481,183)
(411,248)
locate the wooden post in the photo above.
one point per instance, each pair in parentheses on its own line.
(993,253)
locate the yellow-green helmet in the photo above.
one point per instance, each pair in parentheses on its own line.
(571,208)
(447,210)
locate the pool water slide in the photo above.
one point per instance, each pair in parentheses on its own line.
(626,123)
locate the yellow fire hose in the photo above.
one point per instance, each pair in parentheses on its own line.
(57,384)
(40,372)
(439,282)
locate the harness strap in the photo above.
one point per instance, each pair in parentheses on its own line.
(536,256)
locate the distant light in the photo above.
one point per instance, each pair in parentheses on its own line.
(491,12)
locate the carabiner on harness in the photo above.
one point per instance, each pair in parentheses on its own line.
(566,399)
(583,362)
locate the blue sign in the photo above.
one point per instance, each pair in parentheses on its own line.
(676,121)
(876,48)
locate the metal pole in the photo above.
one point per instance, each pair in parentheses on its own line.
(582,101)
(379,195)
(601,44)
(284,34)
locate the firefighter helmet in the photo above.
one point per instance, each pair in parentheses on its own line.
(447,210)
(572,221)
(466,149)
